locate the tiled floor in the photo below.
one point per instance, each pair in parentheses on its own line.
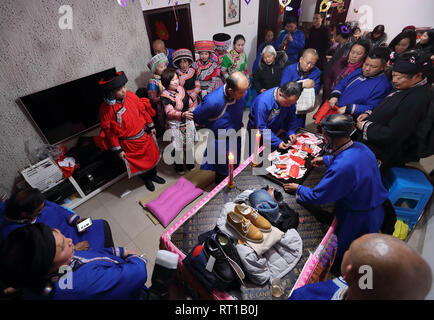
(132,229)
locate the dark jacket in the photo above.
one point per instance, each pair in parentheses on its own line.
(268,76)
(375,43)
(319,39)
(341,51)
(391,131)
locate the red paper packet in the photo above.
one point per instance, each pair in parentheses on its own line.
(299,160)
(294,171)
(306,149)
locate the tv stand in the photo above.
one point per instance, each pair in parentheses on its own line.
(98,170)
(83,197)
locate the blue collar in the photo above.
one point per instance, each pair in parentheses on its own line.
(227,99)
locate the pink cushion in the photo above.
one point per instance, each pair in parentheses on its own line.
(172,200)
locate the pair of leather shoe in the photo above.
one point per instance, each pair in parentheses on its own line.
(248,223)
(227,265)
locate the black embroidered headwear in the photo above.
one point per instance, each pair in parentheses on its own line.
(27,254)
(111,84)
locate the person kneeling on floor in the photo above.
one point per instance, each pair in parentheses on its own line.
(375,267)
(352,180)
(35,257)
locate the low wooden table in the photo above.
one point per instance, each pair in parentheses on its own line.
(319,244)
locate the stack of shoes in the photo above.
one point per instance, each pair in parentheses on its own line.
(244,227)
(255,218)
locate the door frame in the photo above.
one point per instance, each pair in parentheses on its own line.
(147,13)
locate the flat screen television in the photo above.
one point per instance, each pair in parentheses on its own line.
(67,110)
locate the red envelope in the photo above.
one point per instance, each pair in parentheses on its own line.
(306,148)
(299,160)
(294,171)
(323,111)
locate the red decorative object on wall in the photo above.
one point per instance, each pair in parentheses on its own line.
(161,30)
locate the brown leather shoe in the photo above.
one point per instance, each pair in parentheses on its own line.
(251,214)
(244,227)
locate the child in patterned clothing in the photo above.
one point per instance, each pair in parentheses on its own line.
(236,59)
(183,60)
(157,65)
(179,107)
(207,70)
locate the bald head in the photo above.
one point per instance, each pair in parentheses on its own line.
(236,85)
(158,46)
(308,59)
(398,271)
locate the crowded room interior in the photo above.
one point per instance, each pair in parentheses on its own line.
(217,150)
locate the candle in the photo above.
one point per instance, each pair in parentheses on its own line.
(231,170)
(256,153)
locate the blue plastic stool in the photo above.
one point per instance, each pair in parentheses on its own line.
(409,192)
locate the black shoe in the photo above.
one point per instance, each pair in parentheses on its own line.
(227,244)
(179,169)
(149,185)
(158,179)
(222,268)
(190,167)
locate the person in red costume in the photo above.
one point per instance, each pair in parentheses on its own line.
(127,128)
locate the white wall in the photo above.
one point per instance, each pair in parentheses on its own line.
(308,9)
(394,14)
(208,20)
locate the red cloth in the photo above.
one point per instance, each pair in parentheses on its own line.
(127,120)
(324,111)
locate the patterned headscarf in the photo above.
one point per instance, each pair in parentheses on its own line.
(156,60)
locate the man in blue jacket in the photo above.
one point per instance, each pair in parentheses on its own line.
(221,111)
(304,70)
(375,267)
(365,88)
(352,181)
(266,113)
(29,206)
(34,257)
(290,40)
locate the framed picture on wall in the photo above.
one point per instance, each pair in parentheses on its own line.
(232,12)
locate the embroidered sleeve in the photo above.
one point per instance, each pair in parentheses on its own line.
(118,252)
(351,108)
(171,112)
(365,129)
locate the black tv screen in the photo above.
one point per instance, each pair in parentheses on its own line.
(68,109)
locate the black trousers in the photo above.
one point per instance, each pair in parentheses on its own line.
(108,238)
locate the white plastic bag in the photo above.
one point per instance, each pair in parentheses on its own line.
(306,102)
